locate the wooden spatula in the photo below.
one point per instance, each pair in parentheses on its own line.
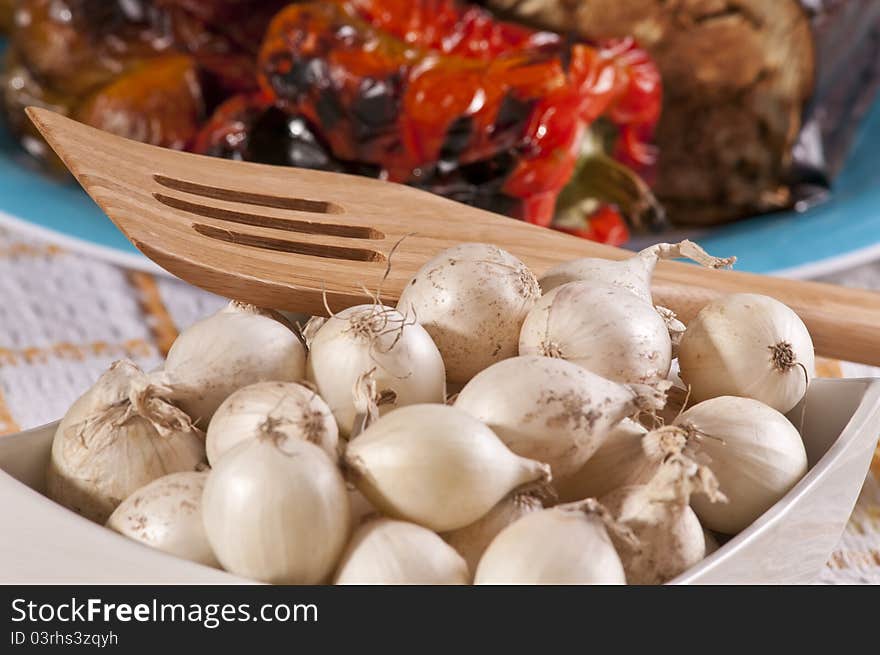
(283,237)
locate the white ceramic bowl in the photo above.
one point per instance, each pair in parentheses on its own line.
(42,542)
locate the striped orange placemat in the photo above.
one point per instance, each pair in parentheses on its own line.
(856,559)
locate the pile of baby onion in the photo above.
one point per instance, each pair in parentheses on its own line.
(336,452)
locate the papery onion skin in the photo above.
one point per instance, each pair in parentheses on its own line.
(754,451)
(287,409)
(277,513)
(387,552)
(472,300)
(747,345)
(630,274)
(237,346)
(166,514)
(559,545)
(472,540)
(548,409)
(118,436)
(669,534)
(618,462)
(436,466)
(606,330)
(654,507)
(406,365)
(634,273)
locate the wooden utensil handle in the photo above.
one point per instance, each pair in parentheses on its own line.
(844,323)
(255,264)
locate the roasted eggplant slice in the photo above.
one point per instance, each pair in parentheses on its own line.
(736,78)
(251,128)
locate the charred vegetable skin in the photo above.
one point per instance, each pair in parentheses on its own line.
(434,93)
(152,70)
(486,113)
(251,128)
(761,99)
(77,46)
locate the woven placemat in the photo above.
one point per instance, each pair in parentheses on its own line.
(65,317)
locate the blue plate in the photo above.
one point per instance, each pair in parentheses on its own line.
(842,232)
(62,212)
(837,234)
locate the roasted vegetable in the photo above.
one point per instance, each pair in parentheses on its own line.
(498,127)
(729,121)
(759,110)
(75,46)
(150,70)
(626,129)
(450,27)
(251,128)
(160,103)
(438,94)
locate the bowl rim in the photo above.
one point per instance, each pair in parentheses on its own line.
(153,558)
(867,411)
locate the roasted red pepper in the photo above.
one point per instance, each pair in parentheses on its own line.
(450,27)
(454,28)
(434,93)
(444,98)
